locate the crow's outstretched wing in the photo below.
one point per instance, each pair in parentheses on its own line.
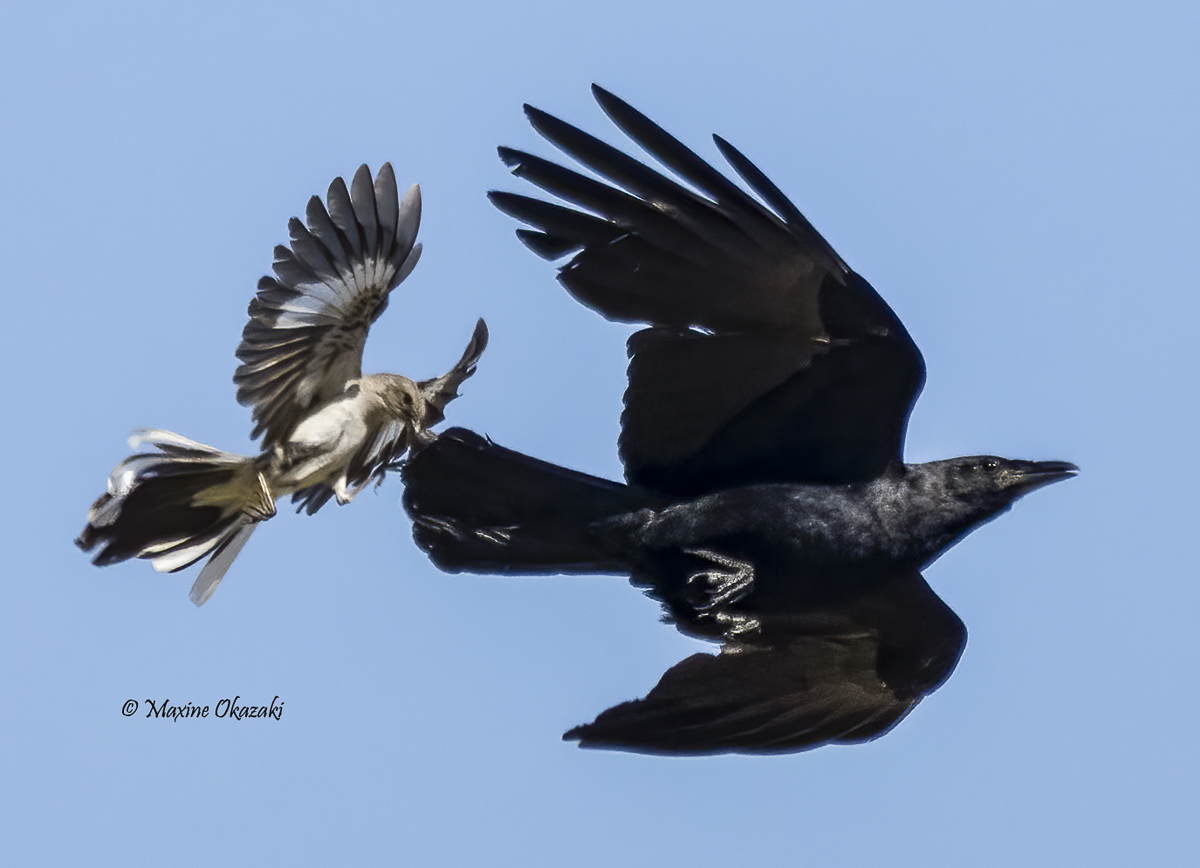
(846,674)
(767,358)
(309,322)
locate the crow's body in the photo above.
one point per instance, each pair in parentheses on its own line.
(768,505)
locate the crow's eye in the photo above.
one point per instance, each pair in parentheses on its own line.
(989,464)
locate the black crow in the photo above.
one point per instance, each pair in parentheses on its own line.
(328,429)
(767,504)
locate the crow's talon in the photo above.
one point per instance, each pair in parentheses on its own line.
(728,581)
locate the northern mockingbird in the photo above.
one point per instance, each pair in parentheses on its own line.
(767,505)
(327,429)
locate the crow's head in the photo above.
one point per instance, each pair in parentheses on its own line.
(997,482)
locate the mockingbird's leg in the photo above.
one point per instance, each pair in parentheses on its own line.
(340,491)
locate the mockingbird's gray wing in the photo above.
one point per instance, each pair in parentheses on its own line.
(767,359)
(845,672)
(309,322)
(440,391)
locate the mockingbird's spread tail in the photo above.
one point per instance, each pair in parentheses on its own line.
(327,429)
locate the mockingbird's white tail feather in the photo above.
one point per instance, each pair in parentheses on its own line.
(177,505)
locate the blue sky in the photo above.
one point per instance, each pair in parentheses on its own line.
(1018,180)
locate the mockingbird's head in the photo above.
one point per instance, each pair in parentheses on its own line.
(403,399)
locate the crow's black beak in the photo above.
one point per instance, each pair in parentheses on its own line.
(1025,476)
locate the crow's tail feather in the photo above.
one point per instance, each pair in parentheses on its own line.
(176,505)
(479,507)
